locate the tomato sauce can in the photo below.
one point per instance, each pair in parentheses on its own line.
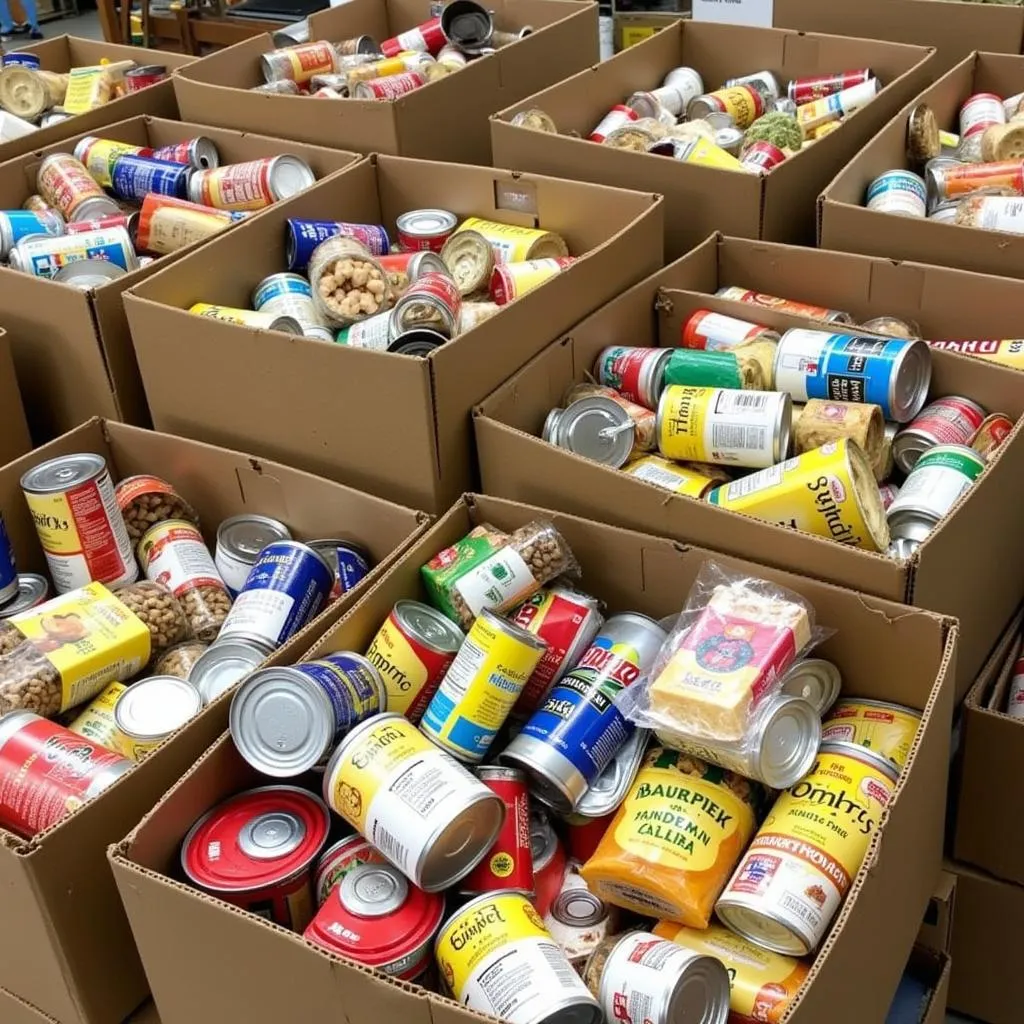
(66,184)
(47,771)
(412,651)
(638,374)
(256,851)
(816,87)
(994,430)
(549,860)
(761,157)
(133,177)
(887,729)
(303,236)
(618,117)
(426,37)
(950,420)
(253,185)
(433,297)
(509,862)
(425,229)
(376,917)
(340,858)
(137,79)
(390,87)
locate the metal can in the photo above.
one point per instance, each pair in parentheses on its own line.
(299,63)
(724,426)
(433,301)
(889,493)
(482,683)
(618,117)
(8,567)
(199,153)
(373,333)
(78,521)
(642,417)
(899,192)
(426,37)
(886,728)
(950,420)
(18,224)
(137,79)
(715,332)
(88,274)
(816,680)
(597,428)
(47,256)
(425,229)
(133,177)
(48,772)
(285,721)
(390,87)
(761,157)
(638,374)
(424,811)
(687,82)
(412,650)
(577,920)
(816,87)
(794,876)
(303,236)
(128,221)
(511,281)
(980,111)
(285,590)
(893,373)
(549,860)
(570,740)
(68,187)
(253,185)
(240,539)
(956,182)
(663,104)
(288,295)
(375,917)
(567,621)
(509,862)
(222,665)
(256,851)
(743,103)
(350,562)
(753,298)
(835,107)
(1015,698)
(765,82)
(338,860)
(37,204)
(96,720)
(148,711)
(33,590)
(166,224)
(497,958)
(609,789)
(994,430)
(639,976)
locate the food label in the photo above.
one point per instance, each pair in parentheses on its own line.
(88,88)
(175,555)
(1015,699)
(1005,351)
(959,181)
(96,722)
(390,87)
(231,315)
(627,369)
(373,333)
(663,473)
(1001,213)
(898,192)
(349,685)
(772,302)
(618,117)
(135,486)
(100,157)
(715,332)
(43,257)
(706,153)
(237,186)
(308,59)
(949,420)
(887,729)
(166,227)
(744,102)
(64,183)
(513,280)
(510,242)
(937,480)
(443,572)
(501,581)
(979,112)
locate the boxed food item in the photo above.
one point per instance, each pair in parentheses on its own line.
(371,409)
(959,568)
(66,319)
(68,524)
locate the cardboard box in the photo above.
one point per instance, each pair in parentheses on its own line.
(68,950)
(72,348)
(954,29)
(16,1011)
(930,971)
(972,567)
(398,425)
(635,26)
(845,223)
(65,52)
(699,200)
(936,932)
(445,120)
(884,650)
(14,436)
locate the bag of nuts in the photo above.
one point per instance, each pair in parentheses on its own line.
(348,283)
(178,661)
(496,571)
(159,609)
(66,650)
(147,500)
(175,555)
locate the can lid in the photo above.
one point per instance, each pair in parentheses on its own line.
(373,890)
(63,472)
(597,428)
(89,273)
(221,665)
(815,680)
(282,722)
(288,176)
(33,589)
(426,223)
(245,536)
(610,787)
(204,153)
(912,377)
(429,626)
(551,425)
(466,24)
(155,707)
(94,208)
(700,993)
(578,907)
(419,342)
(789,740)
(761,929)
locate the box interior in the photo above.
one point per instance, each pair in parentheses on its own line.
(14,435)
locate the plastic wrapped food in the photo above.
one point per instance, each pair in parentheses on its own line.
(147,500)
(159,609)
(178,661)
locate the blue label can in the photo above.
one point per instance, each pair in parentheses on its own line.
(353,686)
(18,224)
(893,373)
(25,60)
(8,568)
(133,177)
(303,236)
(350,562)
(573,736)
(286,588)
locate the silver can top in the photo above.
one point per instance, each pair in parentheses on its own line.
(155,707)
(203,153)
(57,475)
(911,377)
(609,789)
(762,928)
(94,208)
(221,665)
(426,223)
(789,737)
(272,835)
(87,274)
(288,176)
(578,907)
(550,429)
(245,536)
(373,890)
(597,428)
(33,589)
(430,627)
(816,680)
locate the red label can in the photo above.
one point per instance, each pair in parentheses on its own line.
(618,117)
(636,373)
(991,434)
(761,157)
(424,38)
(390,87)
(549,861)
(137,79)
(584,834)
(114,220)
(509,862)
(47,771)
(65,183)
(806,90)
(338,860)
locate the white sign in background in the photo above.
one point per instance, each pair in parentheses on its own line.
(734,12)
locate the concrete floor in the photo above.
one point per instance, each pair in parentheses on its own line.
(85,26)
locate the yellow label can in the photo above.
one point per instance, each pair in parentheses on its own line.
(887,729)
(96,721)
(707,154)
(233,315)
(670,476)
(514,244)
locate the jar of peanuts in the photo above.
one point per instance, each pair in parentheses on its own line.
(348,283)
(147,500)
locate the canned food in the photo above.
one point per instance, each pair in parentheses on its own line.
(665,104)
(180,659)
(17,224)
(47,256)
(373,333)
(670,476)
(425,229)
(752,298)
(816,680)
(338,860)
(150,710)
(514,244)
(886,728)
(133,177)
(137,79)
(285,721)
(732,369)
(597,428)
(838,105)
(618,117)
(636,373)
(8,567)
(994,430)
(801,864)
(37,204)
(1015,699)
(256,851)
(375,917)
(412,651)
(509,862)
(128,221)
(956,182)
(687,82)
(950,420)
(199,153)
(433,301)
(303,236)
(88,274)
(335,266)
(806,90)
(578,921)
(166,224)
(571,739)
(350,562)
(549,861)
(497,959)
(96,720)
(715,332)
(1005,351)
(819,422)
(49,772)
(760,157)
(33,590)
(416,343)
(427,37)
(427,814)
(222,665)
(405,268)
(642,417)
(65,183)
(288,295)
(482,683)
(299,63)
(604,796)
(286,589)
(80,527)
(240,539)
(765,82)
(511,281)
(899,192)
(390,87)
(254,185)
(744,103)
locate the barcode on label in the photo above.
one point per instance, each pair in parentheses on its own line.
(743,400)
(392,848)
(766,478)
(728,435)
(558,963)
(794,906)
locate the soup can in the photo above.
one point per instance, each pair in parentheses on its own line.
(303,236)
(950,420)
(509,862)
(638,374)
(339,859)
(253,185)
(900,192)
(425,229)
(150,710)
(17,224)
(133,177)
(48,256)
(240,539)
(66,184)
(350,562)
(886,728)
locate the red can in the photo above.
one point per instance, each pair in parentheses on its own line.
(256,851)
(549,861)
(806,90)
(618,117)
(389,87)
(991,434)
(509,862)
(636,373)
(136,79)
(424,38)
(338,860)
(761,157)
(114,220)
(47,771)
(65,183)
(379,918)
(436,292)
(584,834)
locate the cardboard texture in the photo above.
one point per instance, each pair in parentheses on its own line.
(396,425)
(71,954)
(845,223)
(934,969)
(699,200)
(65,52)
(72,348)
(936,932)
(884,650)
(445,120)
(971,567)
(16,1011)
(14,436)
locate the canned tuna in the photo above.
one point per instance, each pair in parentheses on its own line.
(899,192)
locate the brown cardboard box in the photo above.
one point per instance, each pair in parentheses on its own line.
(845,223)
(68,950)
(400,426)
(14,436)
(971,568)
(72,348)
(65,52)
(936,932)
(884,650)
(699,200)
(445,120)
(16,1011)
(954,29)
(933,968)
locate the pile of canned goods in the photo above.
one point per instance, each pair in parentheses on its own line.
(121,662)
(110,207)
(493,827)
(975,179)
(364,69)
(32,98)
(838,426)
(351,284)
(749,124)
